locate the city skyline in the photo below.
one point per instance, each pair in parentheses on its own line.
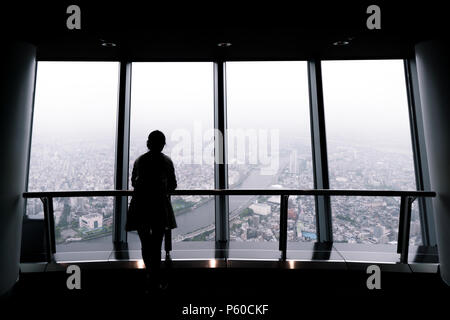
(381,215)
(69,153)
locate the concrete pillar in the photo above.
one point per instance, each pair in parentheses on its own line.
(432,60)
(17,82)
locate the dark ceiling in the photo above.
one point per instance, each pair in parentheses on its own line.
(170,31)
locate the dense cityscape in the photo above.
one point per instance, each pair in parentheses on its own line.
(80,165)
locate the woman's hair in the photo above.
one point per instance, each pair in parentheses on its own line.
(156,141)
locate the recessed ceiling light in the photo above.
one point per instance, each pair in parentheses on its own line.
(341,43)
(108,44)
(224,44)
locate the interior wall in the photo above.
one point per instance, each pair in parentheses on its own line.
(17,77)
(432,60)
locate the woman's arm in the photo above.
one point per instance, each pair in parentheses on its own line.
(172,179)
(134,174)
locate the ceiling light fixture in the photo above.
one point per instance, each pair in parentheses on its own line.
(341,43)
(344,42)
(108,44)
(224,44)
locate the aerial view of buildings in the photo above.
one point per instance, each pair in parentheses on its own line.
(80,165)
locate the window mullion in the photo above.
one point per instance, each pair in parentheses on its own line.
(220,170)
(122,151)
(319,150)
(419,153)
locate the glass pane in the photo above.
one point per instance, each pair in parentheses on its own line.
(178,99)
(72,148)
(369,147)
(269,146)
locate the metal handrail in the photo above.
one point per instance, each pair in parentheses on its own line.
(406,200)
(238,192)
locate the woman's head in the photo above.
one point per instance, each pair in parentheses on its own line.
(156,141)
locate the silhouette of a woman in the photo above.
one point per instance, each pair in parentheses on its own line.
(152,178)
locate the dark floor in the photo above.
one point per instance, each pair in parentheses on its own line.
(307,290)
(317,279)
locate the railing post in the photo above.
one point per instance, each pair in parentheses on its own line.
(168,240)
(404,228)
(49,222)
(283,226)
(401,217)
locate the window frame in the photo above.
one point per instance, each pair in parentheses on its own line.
(318,138)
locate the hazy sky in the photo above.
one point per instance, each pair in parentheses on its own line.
(363,99)
(169,96)
(76,99)
(366,100)
(268,95)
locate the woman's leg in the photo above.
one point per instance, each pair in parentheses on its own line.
(155,254)
(144,236)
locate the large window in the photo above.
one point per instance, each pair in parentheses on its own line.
(73,149)
(369,147)
(177,98)
(268,139)
(269,146)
